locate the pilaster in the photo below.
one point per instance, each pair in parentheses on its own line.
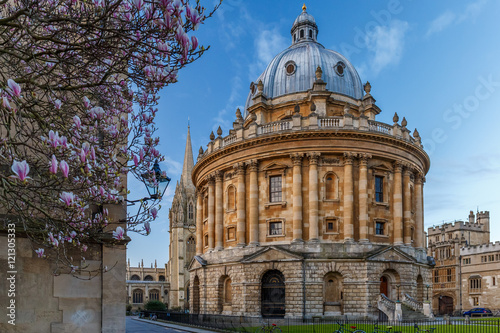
(297,196)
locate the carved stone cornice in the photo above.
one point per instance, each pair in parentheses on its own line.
(297,158)
(313,157)
(211,179)
(219,175)
(363,159)
(253,165)
(398,166)
(327,160)
(240,168)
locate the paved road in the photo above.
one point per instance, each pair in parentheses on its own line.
(134,326)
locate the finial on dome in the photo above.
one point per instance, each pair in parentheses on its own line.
(219,131)
(304,7)
(395,119)
(404,122)
(260,86)
(212,136)
(238,114)
(416,134)
(319,73)
(200,151)
(368,87)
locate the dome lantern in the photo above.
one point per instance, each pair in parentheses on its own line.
(304,28)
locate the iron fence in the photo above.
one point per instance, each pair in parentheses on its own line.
(322,325)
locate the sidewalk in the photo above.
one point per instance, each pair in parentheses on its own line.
(174,326)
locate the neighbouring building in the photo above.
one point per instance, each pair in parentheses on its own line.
(182,245)
(147,284)
(310,206)
(467,265)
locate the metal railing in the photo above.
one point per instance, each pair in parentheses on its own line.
(324,325)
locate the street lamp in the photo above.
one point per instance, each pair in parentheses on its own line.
(427,286)
(156,182)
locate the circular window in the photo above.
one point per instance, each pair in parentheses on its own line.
(290,68)
(339,68)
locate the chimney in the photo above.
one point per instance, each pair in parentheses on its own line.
(471,217)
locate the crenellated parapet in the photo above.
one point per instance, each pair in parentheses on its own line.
(480,249)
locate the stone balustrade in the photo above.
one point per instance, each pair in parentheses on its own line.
(309,123)
(413,303)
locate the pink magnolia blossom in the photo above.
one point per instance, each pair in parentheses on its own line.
(40,252)
(67,197)
(86,102)
(194,43)
(53,165)
(53,139)
(58,104)
(21,169)
(119,233)
(147,227)
(154,212)
(14,87)
(136,160)
(77,121)
(64,168)
(138,4)
(72,234)
(84,248)
(5,103)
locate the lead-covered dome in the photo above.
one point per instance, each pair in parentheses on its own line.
(293,70)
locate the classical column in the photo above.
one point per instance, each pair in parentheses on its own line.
(419,211)
(211,212)
(348,198)
(363,197)
(407,206)
(240,209)
(313,196)
(199,222)
(297,197)
(254,203)
(219,227)
(397,204)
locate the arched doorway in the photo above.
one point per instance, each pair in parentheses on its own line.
(196,295)
(273,295)
(420,288)
(445,305)
(384,286)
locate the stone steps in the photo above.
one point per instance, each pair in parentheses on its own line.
(411,315)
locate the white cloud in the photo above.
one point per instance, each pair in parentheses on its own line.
(387,44)
(225,116)
(268,43)
(448,18)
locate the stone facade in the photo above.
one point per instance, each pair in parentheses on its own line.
(460,250)
(147,283)
(309,206)
(46,302)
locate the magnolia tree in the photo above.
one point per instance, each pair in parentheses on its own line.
(80,82)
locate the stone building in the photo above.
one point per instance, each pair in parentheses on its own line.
(146,284)
(462,252)
(310,206)
(182,246)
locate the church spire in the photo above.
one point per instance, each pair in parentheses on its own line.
(187,168)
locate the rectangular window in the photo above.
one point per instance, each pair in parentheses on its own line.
(275,189)
(475,301)
(231,233)
(493,281)
(331,225)
(475,285)
(276,228)
(379,189)
(448,275)
(206,240)
(436,276)
(379,228)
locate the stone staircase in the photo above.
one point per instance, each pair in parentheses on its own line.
(408,310)
(411,315)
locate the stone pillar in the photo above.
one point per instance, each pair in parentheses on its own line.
(254,203)
(199,222)
(313,196)
(348,198)
(297,197)
(211,212)
(219,227)
(240,209)
(419,211)
(407,206)
(363,198)
(397,213)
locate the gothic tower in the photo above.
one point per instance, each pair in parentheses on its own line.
(182,233)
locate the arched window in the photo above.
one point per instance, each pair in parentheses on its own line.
(161,278)
(331,186)
(190,211)
(154,295)
(137,296)
(231,198)
(148,278)
(135,278)
(310,34)
(332,288)
(228,295)
(301,33)
(190,248)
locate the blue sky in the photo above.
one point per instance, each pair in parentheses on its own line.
(435,63)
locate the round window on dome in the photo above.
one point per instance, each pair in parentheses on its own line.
(290,68)
(252,88)
(339,68)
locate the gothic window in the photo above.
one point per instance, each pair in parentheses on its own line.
(190,211)
(190,248)
(275,194)
(231,198)
(137,296)
(161,278)
(154,295)
(475,285)
(379,189)
(135,278)
(436,276)
(448,275)
(148,278)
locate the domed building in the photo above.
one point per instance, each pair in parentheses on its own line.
(310,206)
